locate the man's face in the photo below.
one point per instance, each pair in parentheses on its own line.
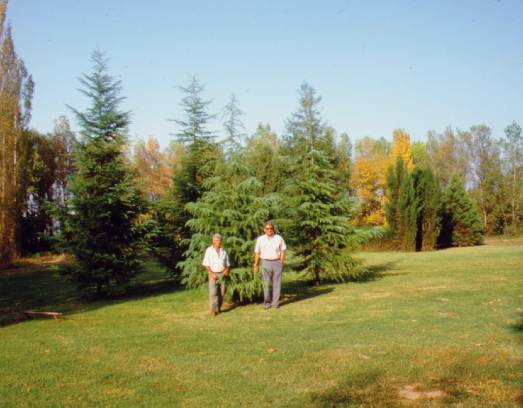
(269,230)
(217,242)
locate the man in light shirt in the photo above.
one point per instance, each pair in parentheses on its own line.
(216,261)
(270,248)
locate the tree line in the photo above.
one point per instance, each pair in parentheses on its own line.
(113,205)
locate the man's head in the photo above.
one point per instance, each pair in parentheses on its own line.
(268,228)
(217,240)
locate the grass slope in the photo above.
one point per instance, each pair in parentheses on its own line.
(431,329)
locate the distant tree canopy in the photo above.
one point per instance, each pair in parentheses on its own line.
(114,204)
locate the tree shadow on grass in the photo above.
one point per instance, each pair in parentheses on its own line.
(380,271)
(298,290)
(45,289)
(518,326)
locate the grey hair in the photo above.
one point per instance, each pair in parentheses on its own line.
(217,236)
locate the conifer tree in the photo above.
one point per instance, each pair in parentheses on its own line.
(428,195)
(199,160)
(101,226)
(461,223)
(401,208)
(233,126)
(317,219)
(234,207)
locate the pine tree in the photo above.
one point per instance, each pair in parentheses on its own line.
(317,219)
(101,224)
(460,219)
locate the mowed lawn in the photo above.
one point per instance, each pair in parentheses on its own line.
(430,329)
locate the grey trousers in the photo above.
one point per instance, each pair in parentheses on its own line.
(271,280)
(217,290)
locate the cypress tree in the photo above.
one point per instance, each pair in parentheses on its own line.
(101,220)
(401,208)
(428,194)
(461,223)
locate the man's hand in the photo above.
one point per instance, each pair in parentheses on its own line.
(226,272)
(255,268)
(214,276)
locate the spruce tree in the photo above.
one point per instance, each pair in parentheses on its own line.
(461,223)
(101,220)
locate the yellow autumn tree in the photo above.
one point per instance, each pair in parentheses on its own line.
(368,180)
(401,147)
(153,167)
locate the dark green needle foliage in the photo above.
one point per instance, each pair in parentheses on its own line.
(317,218)
(401,209)
(428,196)
(101,221)
(460,219)
(233,207)
(199,161)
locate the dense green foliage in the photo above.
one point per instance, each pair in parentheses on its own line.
(101,221)
(401,209)
(234,207)
(428,196)
(198,164)
(460,219)
(317,210)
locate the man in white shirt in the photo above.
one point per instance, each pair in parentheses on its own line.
(270,248)
(216,261)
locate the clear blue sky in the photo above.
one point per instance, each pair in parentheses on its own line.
(378,65)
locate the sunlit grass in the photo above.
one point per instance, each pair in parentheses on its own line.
(447,321)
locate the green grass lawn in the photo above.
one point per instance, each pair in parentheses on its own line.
(447,323)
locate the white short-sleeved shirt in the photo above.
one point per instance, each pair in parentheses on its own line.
(270,247)
(217,261)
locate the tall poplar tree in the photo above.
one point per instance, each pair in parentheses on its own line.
(16,89)
(101,221)
(512,146)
